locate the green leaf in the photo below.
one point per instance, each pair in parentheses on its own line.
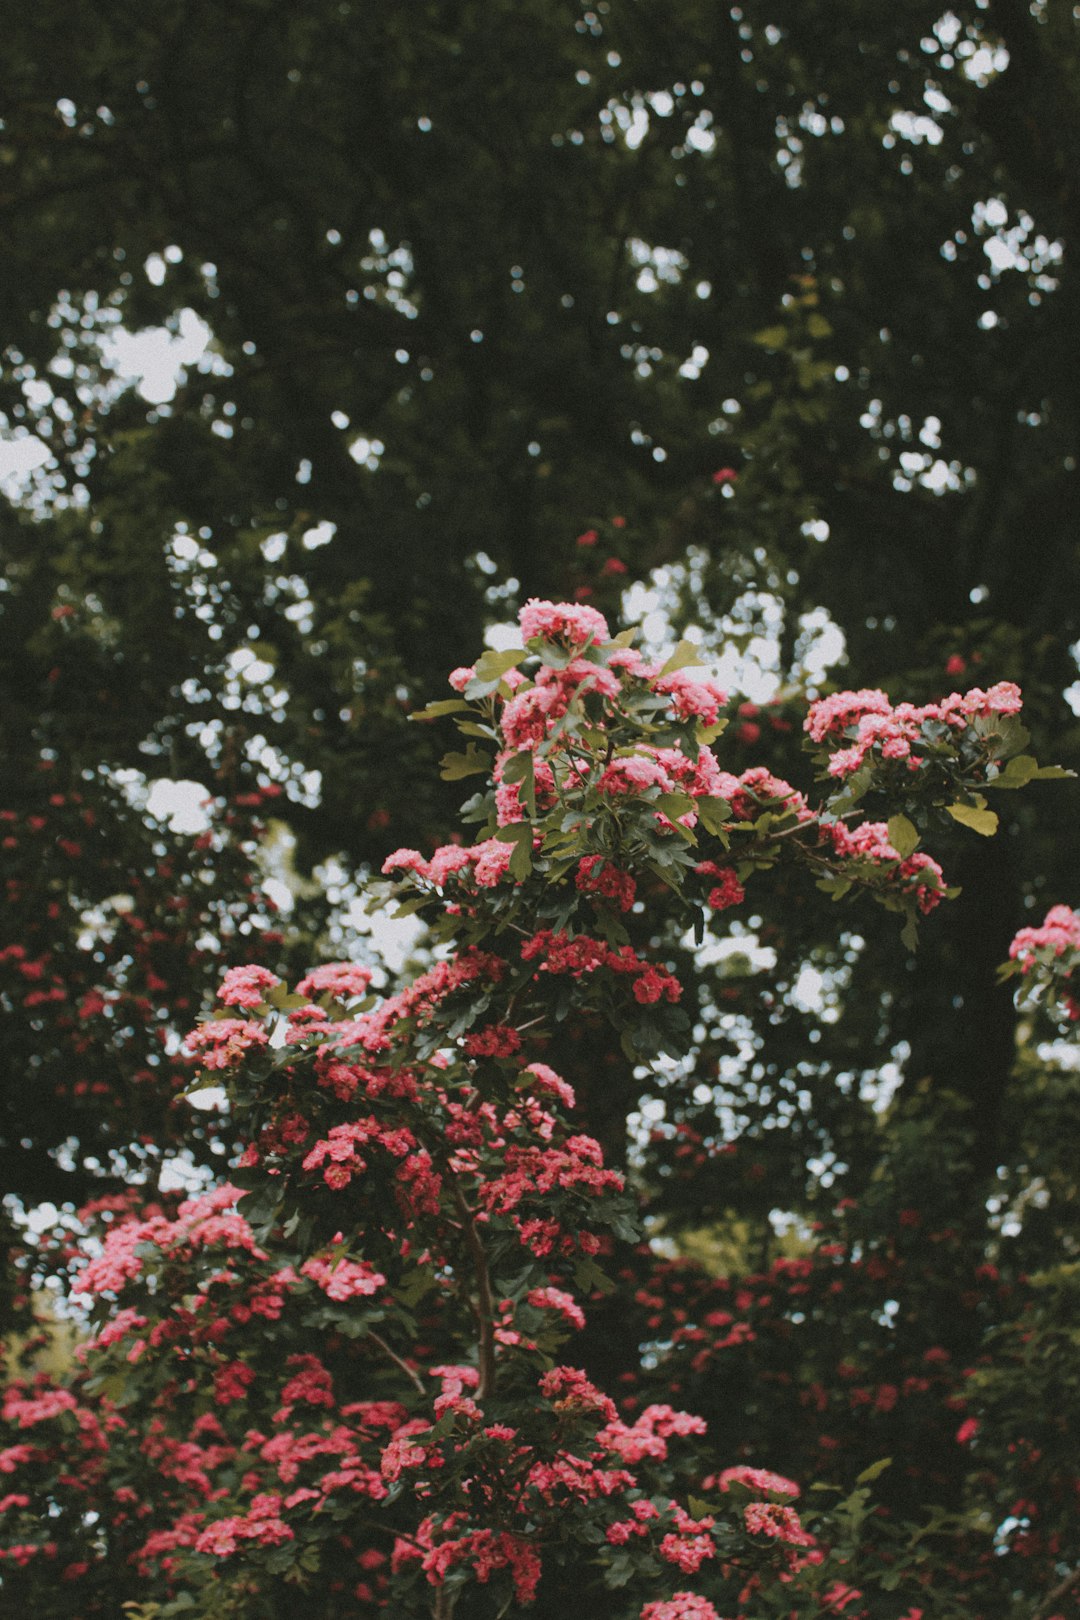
(771,337)
(818,326)
(626,638)
(1019,770)
(414,1284)
(910,933)
(521,860)
(471,763)
(903,836)
(517,832)
(675,805)
(1052,773)
(868,1475)
(984,822)
(434,711)
(490,669)
(522,768)
(587,1276)
(712,813)
(492,664)
(687,655)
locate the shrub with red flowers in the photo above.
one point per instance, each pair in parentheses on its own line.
(346,1379)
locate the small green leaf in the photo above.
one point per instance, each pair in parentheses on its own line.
(984,822)
(687,655)
(712,813)
(903,836)
(434,711)
(675,805)
(522,859)
(868,1475)
(771,337)
(517,766)
(588,1275)
(492,664)
(626,638)
(471,763)
(1020,769)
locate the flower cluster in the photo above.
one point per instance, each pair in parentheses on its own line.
(907,732)
(1048,957)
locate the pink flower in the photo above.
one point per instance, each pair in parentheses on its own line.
(225,1041)
(690,698)
(757,1479)
(340,979)
(567,622)
(244,986)
(680,1606)
(555,1299)
(346,1279)
(781,1523)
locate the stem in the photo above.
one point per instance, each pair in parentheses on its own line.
(485,1305)
(443,1607)
(1054,1596)
(410,1372)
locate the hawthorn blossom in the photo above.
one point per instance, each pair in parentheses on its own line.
(245,986)
(1059,931)
(692,699)
(220,1044)
(567,622)
(680,1606)
(342,980)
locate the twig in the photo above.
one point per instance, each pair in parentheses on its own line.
(485,1305)
(1054,1596)
(404,1365)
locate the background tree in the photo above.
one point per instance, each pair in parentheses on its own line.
(477,283)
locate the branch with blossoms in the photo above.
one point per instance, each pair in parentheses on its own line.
(605,778)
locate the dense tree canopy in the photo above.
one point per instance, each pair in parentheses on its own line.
(767,310)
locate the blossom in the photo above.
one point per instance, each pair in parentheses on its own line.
(339,979)
(1059,932)
(780,1523)
(727,891)
(635,774)
(556,1299)
(757,1479)
(244,986)
(545,1079)
(692,699)
(225,1041)
(568,622)
(597,876)
(343,1279)
(680,1606)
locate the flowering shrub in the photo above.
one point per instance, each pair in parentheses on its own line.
(347,1377)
